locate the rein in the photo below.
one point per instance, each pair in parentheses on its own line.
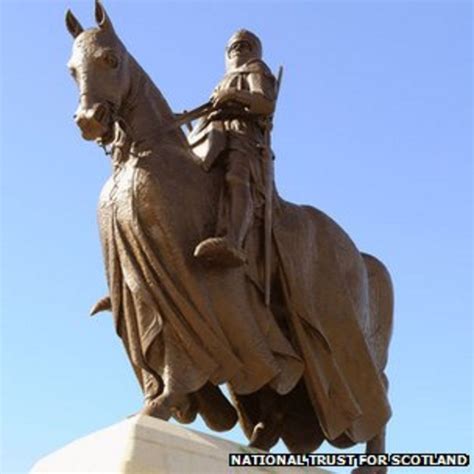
(123,144)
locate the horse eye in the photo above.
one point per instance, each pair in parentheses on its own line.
(111,60)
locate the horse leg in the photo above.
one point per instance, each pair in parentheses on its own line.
(163,404)
(155,403)
(381,305)
(269,407)
(216,411)
(268,429)
(376,445)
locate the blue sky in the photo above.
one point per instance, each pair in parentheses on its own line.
(374,127)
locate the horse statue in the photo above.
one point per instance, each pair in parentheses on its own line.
(306,368)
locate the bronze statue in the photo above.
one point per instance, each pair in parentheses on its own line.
(306,367)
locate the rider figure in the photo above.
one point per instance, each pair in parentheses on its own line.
(237,135)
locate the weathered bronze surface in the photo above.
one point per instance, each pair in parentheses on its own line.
(187,258)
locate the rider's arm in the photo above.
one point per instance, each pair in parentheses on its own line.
(260,96)
(262,92)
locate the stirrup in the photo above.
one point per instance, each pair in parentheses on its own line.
(219,251)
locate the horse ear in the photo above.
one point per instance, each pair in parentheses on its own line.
(73,25)
(101,17)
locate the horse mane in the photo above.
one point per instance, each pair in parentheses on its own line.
(143,88)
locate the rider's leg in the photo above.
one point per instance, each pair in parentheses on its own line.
(227,248)
(240,212)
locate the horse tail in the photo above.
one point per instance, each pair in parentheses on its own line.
(381,311)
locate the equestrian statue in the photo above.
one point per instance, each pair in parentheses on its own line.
(213,277)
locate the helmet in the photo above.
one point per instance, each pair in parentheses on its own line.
(245,35)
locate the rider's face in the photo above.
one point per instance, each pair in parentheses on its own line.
(239,53)
(240,48)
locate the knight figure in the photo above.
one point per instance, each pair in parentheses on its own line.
(236,135)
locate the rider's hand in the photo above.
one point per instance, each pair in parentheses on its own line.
(224,96)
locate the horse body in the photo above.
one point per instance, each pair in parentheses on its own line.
(187,328)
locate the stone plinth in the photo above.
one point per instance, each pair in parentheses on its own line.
(145,445)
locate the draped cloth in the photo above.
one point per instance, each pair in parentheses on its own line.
(326,291)
(183,324)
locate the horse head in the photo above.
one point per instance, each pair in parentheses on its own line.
(100,66)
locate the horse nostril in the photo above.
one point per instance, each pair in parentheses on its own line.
(80,120)
(100,113)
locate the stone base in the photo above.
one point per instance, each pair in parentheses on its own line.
(145,445)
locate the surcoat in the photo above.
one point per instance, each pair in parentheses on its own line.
(234,128)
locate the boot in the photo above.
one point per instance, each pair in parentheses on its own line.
(227,251)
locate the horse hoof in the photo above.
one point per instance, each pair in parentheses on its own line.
(257,434)
(157,409)
(186,412)
(214,408)
(265,435)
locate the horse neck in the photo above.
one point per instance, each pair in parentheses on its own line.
(145,112)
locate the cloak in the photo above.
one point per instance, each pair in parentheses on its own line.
(184,324)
